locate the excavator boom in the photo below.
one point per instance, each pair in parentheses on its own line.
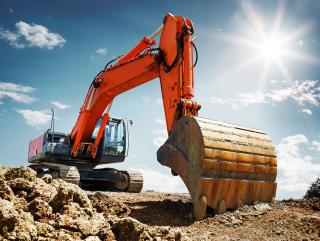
(172,62)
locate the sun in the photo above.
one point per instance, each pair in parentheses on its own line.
(269,43)
(271,48)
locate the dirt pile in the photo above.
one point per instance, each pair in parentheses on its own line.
(51,209)
(306,203)
(283,220)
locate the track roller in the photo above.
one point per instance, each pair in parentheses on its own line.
(67,173)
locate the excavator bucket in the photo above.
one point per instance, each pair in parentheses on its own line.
(223,166)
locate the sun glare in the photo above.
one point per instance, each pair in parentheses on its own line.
(271,48)
(269,43)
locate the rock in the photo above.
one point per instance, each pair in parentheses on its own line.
(235,221)
(9,217)
(40,209)
(20,203)
(66,193)
(310,218)
(106,234)
(92,238)
(164,230)
(3,170)
(177,235)
(108,206)
(46,209)
(145,236)
(42,190)
(21,184)
(262,207)
(229,219)
(66,235)
(5,190)
(75,211)
(44,229)
(47,178)
(21,172)
(21,194)
(85,225)
(25,229)
(223,238)
(128,229)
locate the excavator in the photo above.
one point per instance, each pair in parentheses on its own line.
(223,166)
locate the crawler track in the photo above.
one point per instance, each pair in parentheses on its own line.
(135,181)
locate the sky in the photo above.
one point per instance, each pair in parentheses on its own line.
(258,67)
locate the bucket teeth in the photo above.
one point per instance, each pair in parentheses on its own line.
(224,166)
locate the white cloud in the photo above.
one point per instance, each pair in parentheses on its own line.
(11,10)
(16,92)
(160,134)
(28,35)
(36,118)
(11,37)
(218,101)
(101,51)
(296,170)
(316,145)
(12,87)
(304,93)
(250,98)
(157,181)
(17,97)
(60,105)
(307,111)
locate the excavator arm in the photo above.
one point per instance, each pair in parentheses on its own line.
(172,62)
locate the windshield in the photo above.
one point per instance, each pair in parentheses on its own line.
(57,138)
(115,138)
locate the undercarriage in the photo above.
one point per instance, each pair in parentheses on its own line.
(90,178)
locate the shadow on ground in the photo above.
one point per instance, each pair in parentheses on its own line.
(162,213)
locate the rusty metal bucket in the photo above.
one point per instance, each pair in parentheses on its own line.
(224,166)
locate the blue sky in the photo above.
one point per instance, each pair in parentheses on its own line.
(51,50)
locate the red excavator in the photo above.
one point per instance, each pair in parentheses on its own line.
(224,166)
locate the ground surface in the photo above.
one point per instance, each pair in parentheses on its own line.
(47,209)
(286,220)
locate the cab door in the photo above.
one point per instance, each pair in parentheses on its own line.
(115,141)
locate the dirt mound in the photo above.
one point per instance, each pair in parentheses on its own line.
(51,209)
(283,220)
(108,206)
(306,203)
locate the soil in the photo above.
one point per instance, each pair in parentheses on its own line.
(284,220)
(44,208)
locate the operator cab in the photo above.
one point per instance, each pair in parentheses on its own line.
(114,144)
(113,147)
